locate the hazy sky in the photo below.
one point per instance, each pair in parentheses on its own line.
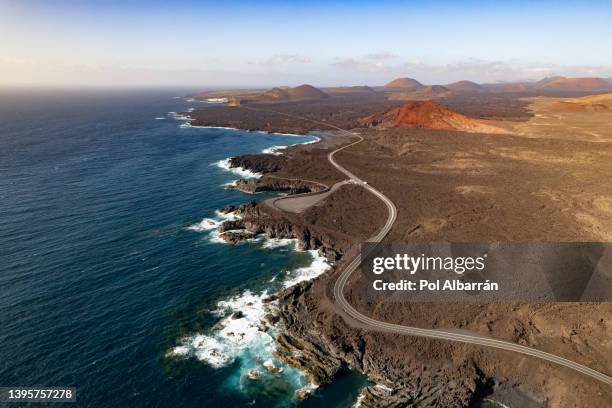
(213,44)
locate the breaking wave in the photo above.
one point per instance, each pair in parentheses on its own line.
(237,331)
(318,266)
(271,243)
(245,334)
(225,164)
(212,225)
(178,116)
(277,150)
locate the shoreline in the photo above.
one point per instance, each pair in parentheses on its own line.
(218,348)
(313,343)
(250,320)
(184,116)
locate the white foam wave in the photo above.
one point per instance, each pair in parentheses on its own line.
(316,139)
(221,127)
(227,216)
(240,334)
(210,223)
(215,237)
(288,134)
(272,243)
(274,150)
(225,164)
(238,331)
(178,116)
(206,224)
(360,399)
(160,118)
(318,266)
(213,224)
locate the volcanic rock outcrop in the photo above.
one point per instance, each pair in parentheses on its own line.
(427,115)
(262,184)
(298,93)
(405,84)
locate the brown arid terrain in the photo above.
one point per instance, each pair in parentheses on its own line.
(298,117)
(465,86)
(409,89)
(427,115)
(422,94)
(515,87)
(595,103)
(291,94)
(347,110)
(586,118)
(560,83)
(531,185)
(349,89)
(278,94)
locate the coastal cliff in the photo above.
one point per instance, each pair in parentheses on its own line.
(315,338)
(274,184)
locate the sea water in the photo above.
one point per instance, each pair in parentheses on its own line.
(113,279)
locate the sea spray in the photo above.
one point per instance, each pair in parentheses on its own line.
(208,224)
(275,150)
(243,335)
(278,150)
(178,116)
(226,164)
(318,266)
(213,224)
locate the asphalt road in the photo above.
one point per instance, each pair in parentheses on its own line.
(378,325)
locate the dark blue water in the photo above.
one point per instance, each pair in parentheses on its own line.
(100,276)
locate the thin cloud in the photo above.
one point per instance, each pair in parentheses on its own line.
(351,64)
(384,55)
(494,71)
(283,59)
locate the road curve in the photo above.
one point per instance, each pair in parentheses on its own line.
(297,203)
(378,325)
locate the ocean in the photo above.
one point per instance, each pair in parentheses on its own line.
(112,277)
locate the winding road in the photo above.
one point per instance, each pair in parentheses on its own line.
(378,325)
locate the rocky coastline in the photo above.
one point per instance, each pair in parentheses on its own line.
(274,184)
(403,371)
(255,219)
(310,343)
(258,163)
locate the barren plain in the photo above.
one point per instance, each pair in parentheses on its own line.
(546,180)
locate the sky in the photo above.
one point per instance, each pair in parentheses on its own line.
(274,43)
